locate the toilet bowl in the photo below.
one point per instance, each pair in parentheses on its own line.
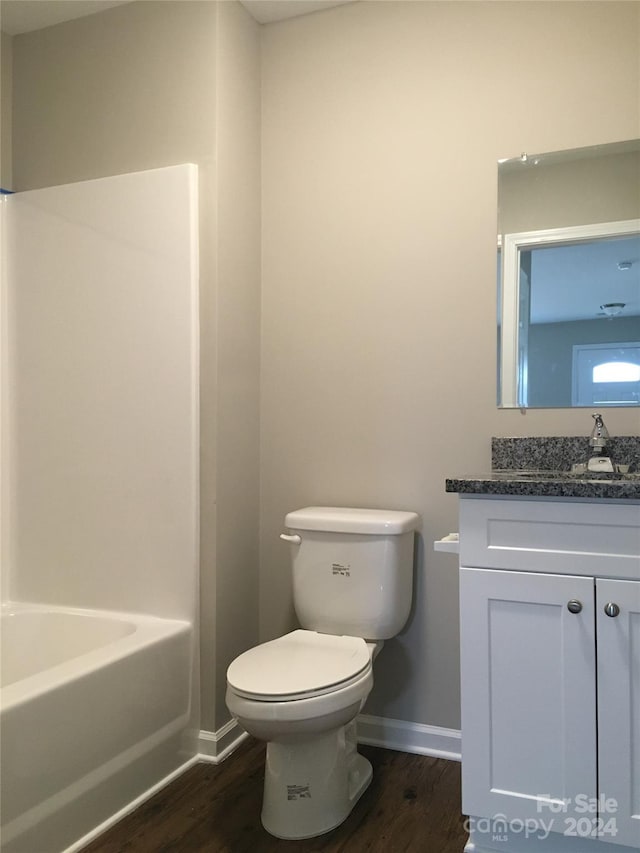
(301,693)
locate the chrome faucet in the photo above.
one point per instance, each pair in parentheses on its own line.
(598,440)
(599,434)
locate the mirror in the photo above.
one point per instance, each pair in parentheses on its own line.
(569,278)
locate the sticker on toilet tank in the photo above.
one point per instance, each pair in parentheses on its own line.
(298,792)
(339,569)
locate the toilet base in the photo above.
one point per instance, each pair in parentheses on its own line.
(311,785)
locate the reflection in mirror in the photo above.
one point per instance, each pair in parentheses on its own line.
(569,278)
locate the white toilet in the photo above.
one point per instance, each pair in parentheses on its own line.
(352,588)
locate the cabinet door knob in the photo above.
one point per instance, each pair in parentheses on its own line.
(611,609)
(574,606)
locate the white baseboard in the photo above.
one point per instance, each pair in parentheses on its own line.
(410,737)
(376,731)
(216,746)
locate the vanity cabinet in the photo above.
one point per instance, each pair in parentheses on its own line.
(550,662)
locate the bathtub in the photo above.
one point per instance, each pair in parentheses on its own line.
(94,710)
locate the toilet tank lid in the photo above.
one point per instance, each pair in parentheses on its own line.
(335,519)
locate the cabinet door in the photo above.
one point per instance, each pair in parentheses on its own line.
(528,694)
(619,708)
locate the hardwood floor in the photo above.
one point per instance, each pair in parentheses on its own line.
(412,805)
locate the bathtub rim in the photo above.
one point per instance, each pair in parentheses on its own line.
(148,630)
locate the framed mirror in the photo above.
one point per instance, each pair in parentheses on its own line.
(569,278)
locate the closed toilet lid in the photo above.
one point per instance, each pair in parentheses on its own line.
(297,665)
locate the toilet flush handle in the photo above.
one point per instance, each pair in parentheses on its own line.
(294,539)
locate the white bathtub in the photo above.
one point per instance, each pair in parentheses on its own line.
(94,710)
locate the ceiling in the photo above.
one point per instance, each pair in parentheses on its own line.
(23,16)
(268,11)
(571,282)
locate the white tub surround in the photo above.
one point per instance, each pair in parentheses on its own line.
(102,423)
(86,725)
(100,496)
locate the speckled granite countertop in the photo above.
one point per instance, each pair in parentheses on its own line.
(540,467)
(548,485)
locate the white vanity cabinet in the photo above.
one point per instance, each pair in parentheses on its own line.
(618,684)
(550,659)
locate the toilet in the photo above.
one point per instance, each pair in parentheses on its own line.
(301,693)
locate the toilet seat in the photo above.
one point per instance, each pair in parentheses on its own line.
(299,665)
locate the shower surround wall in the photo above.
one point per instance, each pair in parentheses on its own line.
(100,498)
(103,438)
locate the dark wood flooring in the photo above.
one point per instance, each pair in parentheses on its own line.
(412,805)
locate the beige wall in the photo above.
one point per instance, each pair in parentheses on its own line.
(6,97)
(151,84)
(382,125)
(238,346)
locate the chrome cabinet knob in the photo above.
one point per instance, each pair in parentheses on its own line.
(611,609)
(574,606)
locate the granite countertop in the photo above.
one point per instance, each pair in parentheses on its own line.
(548,484)
(541,467)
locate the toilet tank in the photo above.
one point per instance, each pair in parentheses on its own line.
(352,569)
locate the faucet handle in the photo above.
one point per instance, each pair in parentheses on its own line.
(599,428)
